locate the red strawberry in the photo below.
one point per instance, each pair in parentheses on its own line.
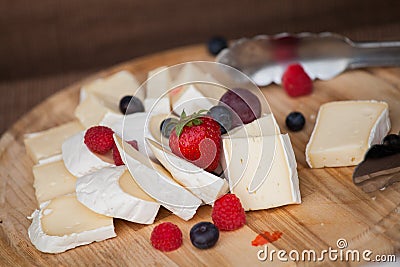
(296,82)
(197,138)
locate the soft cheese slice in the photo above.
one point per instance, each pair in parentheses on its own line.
(64,223)
(246,159)
(344,130)
(48,143)
(79,160)
(113,192)
(52,180)
(190,99)
(202,184)
(264,126)
(158,83)
(157,182)
(112,88)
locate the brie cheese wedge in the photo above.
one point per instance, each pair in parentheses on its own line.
(157,182)
(45,144)
(113,192)
(344,131)
(79,160)
(64,223)
(248,158)
(201,183)
(52,180)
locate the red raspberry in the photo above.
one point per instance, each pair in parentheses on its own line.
(296,82)
(228,213)
(117,157)
(99,139)
(166,237)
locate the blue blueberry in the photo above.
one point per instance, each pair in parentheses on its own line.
(130,104)
(204,235)
(295,121)
(167,126)
(216,44)
(223,116)
(392,140)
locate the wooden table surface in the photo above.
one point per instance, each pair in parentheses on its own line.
(333,208)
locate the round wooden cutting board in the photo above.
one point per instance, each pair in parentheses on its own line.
(333,207)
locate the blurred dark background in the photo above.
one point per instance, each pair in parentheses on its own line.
(46,45)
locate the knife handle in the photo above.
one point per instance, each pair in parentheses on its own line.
(372,54)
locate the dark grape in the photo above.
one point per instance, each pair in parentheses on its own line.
(244,103)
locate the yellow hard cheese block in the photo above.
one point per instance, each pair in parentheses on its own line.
(48,143)
(344,131)
(52,180)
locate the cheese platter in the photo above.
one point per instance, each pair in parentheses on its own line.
(332,207)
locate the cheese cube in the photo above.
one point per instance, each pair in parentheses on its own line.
(189,99)
(344,131)
(48,143)
(113,88)
(158,83)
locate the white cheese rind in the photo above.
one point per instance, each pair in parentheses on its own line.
(101,192)
(57,244)
(78,159)
(345,153)
(244,156)
(202,184)
(157,182)
(264,126)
